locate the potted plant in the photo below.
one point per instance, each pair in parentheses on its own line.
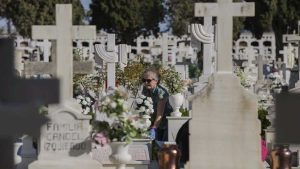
(119,124)
(171,79)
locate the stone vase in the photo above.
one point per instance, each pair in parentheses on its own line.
(176,101)
(120,155)
(169,156)
(285,157)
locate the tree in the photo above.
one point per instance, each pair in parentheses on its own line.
(280,16)
(25,13)
(128,19)
(181,15)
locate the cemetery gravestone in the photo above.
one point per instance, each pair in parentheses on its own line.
(260,73)
(110,57)
(65,141)
(20,100)
(296,38)
(224,129)
(205,35)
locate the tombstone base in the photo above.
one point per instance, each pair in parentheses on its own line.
(71,163)
(224,129)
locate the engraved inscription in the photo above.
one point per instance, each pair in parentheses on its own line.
(64,137)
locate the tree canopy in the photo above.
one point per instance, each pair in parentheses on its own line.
(25,13)
(181,14)
(280,16)
(128,18)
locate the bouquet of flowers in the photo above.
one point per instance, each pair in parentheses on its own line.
(86,103)
(85,89)
(143,108)
(171,79)
(116,119)
(276,81)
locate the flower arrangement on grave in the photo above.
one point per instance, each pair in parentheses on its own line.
(130,77)
(117,120)
(171,79)
(276,81)
(245,79)
(86,89)
(143,108)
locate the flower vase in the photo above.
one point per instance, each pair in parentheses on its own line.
(176,101)
(120,155)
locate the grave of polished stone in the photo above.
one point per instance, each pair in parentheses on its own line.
(205,35)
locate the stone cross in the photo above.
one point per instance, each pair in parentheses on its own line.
(281,66)
(205,35)
(260,64)
(295,38)
(19,103)
(165,49)
(123,51)
(224,10)
(110,57)
(64,33)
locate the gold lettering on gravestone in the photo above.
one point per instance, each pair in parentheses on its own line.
(64,137)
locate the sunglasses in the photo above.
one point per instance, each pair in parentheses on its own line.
(147,80)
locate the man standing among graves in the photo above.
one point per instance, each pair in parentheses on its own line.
(162,108)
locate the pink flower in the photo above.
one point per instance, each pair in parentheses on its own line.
(264,150)
(101,138)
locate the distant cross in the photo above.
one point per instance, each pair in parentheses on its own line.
(224,10)
(295,38)
(281,66)
(205,35)
(64,33)
(165,49)
(19,103)
(260,64)
(110,57)
(123,51)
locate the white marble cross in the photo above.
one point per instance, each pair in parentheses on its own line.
(19,103)
(295,38)
(165,49)
(123,51)
(282,67)
(224,10)
(110,57)
(205,35)
(260,64)
(64,33)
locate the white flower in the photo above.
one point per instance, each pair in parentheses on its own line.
(149,99)
(80,97)
(121,101)
(86,111)
(125,106)
(113,105)
(78,101)
(84,102)
(142,109)
(147,103)
(142,96)
(88,99)
(147,123)
(139,101)
(146,117)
